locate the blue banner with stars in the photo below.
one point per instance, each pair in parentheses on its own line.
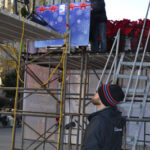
(79,22)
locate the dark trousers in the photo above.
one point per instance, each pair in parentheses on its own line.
(98,29)
(4,121)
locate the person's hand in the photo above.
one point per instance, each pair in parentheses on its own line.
(91,8)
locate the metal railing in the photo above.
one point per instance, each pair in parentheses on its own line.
(114,64)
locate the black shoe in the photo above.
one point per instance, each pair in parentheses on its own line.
(103,51)
(93,51)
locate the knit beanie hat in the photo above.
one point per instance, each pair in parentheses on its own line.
(110,94)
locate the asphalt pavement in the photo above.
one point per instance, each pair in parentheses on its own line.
(5,138)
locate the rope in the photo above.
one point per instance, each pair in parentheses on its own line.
(55,69)
(11,48)
(62,88)
(17,86)
(49,78)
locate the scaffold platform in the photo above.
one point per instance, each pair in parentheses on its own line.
(11,29)
(94,60)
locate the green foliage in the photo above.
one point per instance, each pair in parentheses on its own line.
(42,2)
(24,12)
(10,81)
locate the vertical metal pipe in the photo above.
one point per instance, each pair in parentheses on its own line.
(33,8)
(22,145)
(79,109)
(88,85)
(65,75)
(15,7)
(45,133)
(64,92)
(84,95)
(125,135)
(14,134)
(25,85)
(45,127)
(15,106)
(63,103)
(144,135)
(67,16)
(22,140)
(69,134)
(63,109)
(68,31)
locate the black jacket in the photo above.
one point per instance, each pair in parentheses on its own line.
(104,131)
(98,14)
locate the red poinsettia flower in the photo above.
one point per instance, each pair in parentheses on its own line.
(110,29)
(127,27)
(147,27)
(126,31)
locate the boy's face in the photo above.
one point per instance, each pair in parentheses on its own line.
(96,100)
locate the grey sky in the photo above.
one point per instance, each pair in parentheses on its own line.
(130,9)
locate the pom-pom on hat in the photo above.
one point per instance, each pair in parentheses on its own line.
(110,94)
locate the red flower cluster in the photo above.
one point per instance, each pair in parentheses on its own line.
(127,27)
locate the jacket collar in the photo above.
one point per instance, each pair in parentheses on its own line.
(99,112)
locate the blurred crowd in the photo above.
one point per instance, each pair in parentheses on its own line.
(6,120)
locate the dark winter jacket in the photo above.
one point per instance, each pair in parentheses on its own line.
(104,131)
(98,14)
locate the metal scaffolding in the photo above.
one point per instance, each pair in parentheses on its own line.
(83,66)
